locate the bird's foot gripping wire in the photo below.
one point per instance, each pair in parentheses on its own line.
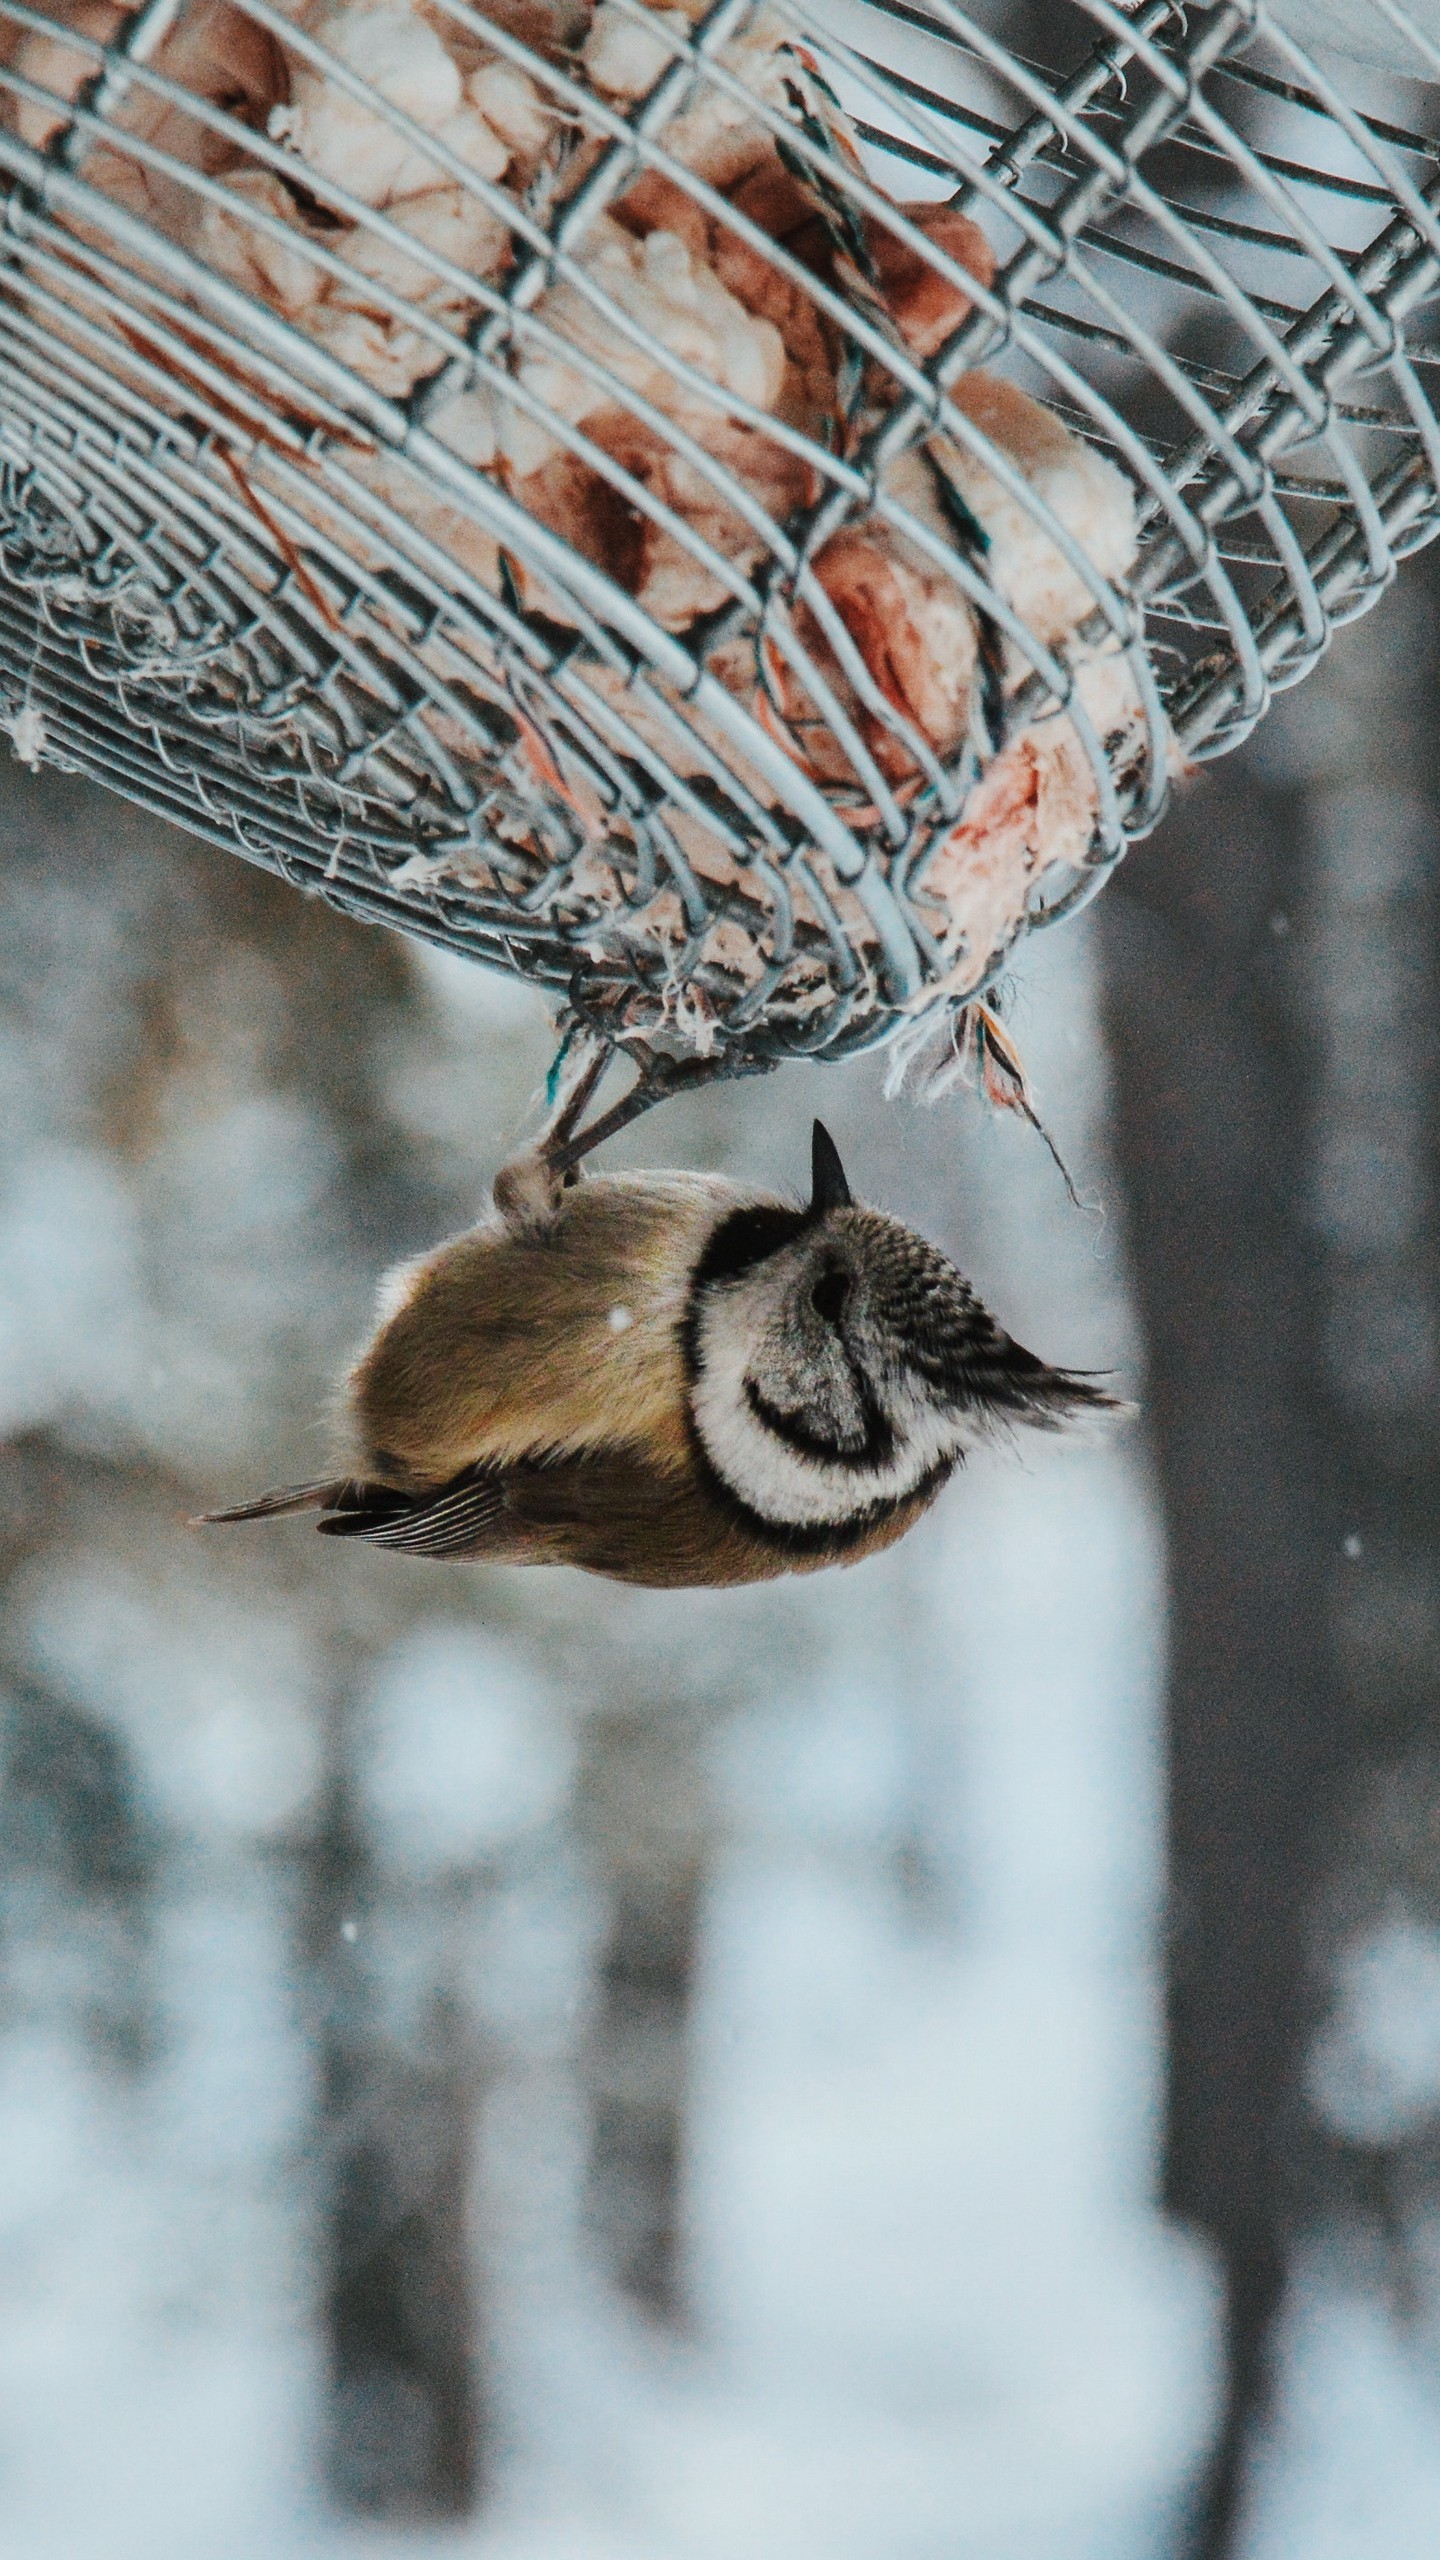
(529,1189)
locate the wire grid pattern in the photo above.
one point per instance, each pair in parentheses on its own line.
(211,601)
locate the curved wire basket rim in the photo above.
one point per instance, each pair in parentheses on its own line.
(1353,337)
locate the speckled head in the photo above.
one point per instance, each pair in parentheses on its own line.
(839,1364)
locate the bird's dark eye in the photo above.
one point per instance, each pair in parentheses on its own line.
(829,1294)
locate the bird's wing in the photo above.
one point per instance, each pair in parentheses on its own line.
(460,1518)
(608,1510)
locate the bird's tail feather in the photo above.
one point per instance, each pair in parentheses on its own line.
(323,1496)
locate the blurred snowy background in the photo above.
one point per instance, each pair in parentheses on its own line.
(639,2075)
(502,2066)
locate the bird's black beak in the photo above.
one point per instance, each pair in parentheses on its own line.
(828,1186)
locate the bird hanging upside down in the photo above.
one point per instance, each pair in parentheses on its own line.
(674,1381)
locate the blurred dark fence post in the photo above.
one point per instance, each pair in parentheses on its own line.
(1211,1137)
(1270,999)
(400,2087)
(644,1814)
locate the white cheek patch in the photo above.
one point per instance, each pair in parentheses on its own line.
(782,1483)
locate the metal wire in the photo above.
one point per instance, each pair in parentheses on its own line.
(248,581)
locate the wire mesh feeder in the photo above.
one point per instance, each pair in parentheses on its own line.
(732,516)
